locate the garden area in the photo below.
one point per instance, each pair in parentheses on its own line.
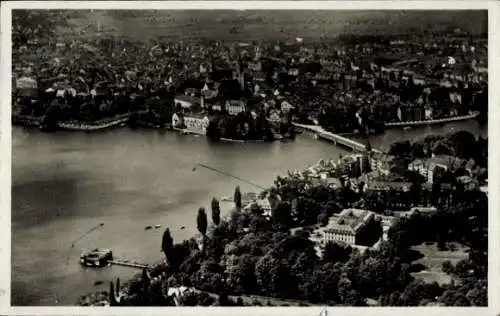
(433,259)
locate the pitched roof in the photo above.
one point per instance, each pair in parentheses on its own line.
(350,221)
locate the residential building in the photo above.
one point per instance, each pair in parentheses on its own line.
(419,166)
(409,113)
(427,167)
(388,186)
(377,175)
(350,166)
(422,210)
(355,165)
(382,162)
(196,124)
(210,90)
(216,106)
(235,107)
(395,195)
(363,162)
(435,162)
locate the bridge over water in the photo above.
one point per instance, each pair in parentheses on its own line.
(320,133)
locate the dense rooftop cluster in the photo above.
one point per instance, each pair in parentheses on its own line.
(344,85)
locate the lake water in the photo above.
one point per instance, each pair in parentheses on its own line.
(64,184)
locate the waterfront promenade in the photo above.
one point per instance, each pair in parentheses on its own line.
(30,121)
(470,116)
(72,126)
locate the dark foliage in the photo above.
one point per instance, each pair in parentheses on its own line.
(215,211)
(201,221)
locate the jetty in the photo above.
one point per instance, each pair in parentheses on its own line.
(319,133)
(127,263)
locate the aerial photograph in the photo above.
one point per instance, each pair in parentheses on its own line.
(249,158)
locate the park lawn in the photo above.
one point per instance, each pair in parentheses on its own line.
(433,276)
(433,259)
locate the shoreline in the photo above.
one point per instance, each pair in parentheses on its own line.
(186,131)
(121,121)
(97,297)
(35,122)
(470,116)
(100,297)
(93,297)
(117,121)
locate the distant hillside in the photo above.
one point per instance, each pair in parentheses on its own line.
(239,25)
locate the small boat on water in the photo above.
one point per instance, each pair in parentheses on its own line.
(148,227)
(157,226)
(183,227)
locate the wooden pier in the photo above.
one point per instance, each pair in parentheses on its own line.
(126,263)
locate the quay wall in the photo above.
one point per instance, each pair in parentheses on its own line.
(30,121)
(432,122)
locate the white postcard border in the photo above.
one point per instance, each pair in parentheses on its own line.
(493,132)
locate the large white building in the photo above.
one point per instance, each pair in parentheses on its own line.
(347,226)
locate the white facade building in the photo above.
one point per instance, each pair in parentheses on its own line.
(347,226)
